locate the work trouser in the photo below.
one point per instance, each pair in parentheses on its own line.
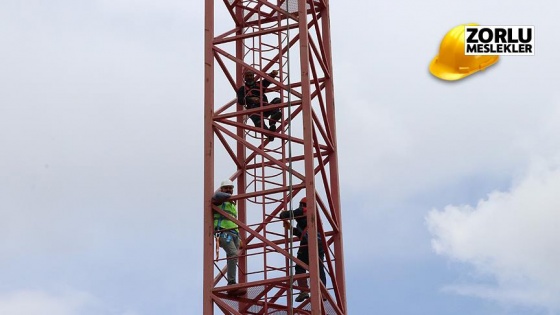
(303,255)
(274,114)
(229,241)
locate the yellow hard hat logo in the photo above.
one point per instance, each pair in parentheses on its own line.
(451,63)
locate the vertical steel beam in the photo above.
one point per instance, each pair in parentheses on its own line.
(314,280)
(334,177)
(208,237)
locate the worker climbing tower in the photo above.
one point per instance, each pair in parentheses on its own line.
(272,169)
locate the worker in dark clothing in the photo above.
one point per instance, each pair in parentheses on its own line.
(300,231)
(252,95)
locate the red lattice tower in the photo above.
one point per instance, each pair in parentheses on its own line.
(293,37)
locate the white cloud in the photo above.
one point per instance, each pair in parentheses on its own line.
(150,6)
(57,302)
(34,302)
(510,236)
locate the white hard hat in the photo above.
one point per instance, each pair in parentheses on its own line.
(226,182)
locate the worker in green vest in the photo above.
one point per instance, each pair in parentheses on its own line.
(227,230)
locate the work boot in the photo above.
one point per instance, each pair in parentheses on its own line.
(302,296)
(272,128)
(236,292)
(270,138)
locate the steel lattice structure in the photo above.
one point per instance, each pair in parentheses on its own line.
(292,37)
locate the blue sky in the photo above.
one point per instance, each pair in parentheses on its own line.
(448,189)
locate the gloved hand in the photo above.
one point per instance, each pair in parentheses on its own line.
(219,197)
(252,101)
(240,249)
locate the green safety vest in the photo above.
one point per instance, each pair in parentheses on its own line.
(221,222)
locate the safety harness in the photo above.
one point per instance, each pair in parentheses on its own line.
(253,90)
(218,232)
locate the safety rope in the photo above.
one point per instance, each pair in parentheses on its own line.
(290,172)
(217,241)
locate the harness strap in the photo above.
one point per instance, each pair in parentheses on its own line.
(221,217)
(217,241)
(256,88)
(249,90)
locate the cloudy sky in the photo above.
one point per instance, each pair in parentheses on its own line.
(449,190)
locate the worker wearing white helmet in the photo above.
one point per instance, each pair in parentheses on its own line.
(227,230)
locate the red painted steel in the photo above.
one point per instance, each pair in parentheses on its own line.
(293,37)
